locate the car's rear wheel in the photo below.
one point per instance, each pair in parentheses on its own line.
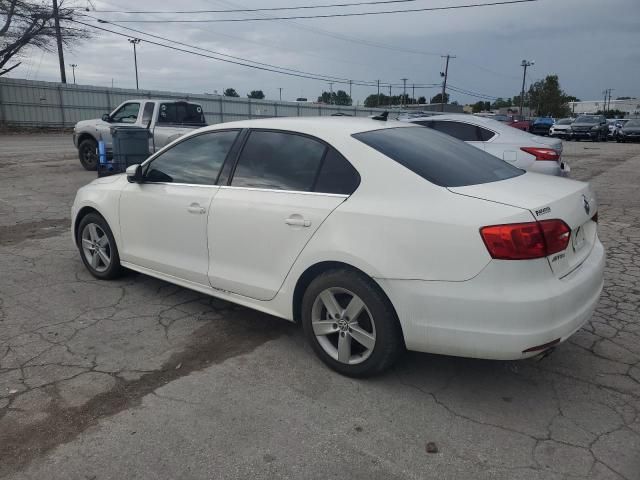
(88,154)
(350,323)
(98,247)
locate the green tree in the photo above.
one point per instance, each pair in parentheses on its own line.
(230,92)
(422,100)
(257,94)
(481,106)
(438,98)
(547,98)
(335,98)
(501,103)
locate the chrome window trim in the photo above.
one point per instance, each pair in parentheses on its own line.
(274,190)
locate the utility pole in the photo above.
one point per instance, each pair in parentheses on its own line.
(444,74)
(134,42)
(350,84)
(524,64)
(73,67)
(389,94)
(404,90)
(280,88)
(56,20)
(413,93)
(330,93)
(378,82)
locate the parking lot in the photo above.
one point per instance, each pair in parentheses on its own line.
(140,378)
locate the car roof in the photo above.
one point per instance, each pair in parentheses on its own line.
(165,100)
(313,125)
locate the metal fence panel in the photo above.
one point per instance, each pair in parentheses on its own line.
(30,103)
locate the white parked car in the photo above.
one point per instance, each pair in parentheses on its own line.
(521,149)
(376,236)
(562,128)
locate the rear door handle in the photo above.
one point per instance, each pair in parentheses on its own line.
(196,208)
(297,221)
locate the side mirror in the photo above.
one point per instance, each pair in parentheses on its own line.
(134,173)
(106,117)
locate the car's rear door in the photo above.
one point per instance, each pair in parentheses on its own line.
(275,200)
(163,221)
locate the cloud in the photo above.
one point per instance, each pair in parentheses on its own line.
(591,46)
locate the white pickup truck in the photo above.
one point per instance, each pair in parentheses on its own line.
(165,119)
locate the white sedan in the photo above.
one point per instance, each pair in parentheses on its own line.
(377,236)
(521,149)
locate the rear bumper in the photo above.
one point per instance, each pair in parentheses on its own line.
(550,168)
(501,312)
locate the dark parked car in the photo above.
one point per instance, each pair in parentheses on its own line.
(630,132)
(591,127)
(541,126)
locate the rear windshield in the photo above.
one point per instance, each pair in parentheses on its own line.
(182,113)
(437,157)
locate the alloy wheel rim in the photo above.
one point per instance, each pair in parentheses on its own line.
(96,247)
(89,156)
(343,325)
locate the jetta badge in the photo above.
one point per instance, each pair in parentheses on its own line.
(585,204)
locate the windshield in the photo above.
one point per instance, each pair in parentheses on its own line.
(587,119)
(437,157)
(565,121)
(632,123)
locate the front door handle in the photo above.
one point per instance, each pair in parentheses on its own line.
(196,208)
(297,221)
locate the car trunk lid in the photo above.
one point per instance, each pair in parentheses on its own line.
(548,197)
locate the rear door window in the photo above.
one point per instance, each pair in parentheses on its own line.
(462,131)
(437,157)
(337,175)
(181,113)
(278,161)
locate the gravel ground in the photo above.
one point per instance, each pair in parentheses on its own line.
(138,378)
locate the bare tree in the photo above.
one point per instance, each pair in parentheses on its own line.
(30,24)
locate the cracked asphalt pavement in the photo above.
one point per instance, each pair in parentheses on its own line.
(138,378)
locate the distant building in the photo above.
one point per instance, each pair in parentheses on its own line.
(630,107)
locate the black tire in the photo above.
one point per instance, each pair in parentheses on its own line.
(388,335)
(114,269)
(88,154)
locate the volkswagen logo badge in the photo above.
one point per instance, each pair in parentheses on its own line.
(585,204)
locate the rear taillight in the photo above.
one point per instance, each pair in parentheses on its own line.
(525,241)
(542,153)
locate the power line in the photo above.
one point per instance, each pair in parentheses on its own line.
(326,77)
(266,9)
(271,68)
(333,15)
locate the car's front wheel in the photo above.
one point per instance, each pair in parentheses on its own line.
(98,247)
(350,323)
(88,154)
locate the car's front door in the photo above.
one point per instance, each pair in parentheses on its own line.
(126,114)
(283,187)
(163,221)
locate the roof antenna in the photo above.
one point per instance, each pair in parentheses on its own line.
(382,117)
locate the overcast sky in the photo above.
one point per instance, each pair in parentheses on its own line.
(590,44)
